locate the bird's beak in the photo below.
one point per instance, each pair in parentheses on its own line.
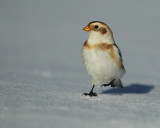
(87,28)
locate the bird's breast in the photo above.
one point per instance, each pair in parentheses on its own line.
(100,52)
(94,57)
(100,63)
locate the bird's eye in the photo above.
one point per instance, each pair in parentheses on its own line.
(96,26)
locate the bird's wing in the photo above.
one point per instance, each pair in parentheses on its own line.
(117,83)
(119,53)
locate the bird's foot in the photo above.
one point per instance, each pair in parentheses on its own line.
(90,94)
(111,83)
(105,85)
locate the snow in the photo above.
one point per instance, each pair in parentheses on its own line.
(42,77)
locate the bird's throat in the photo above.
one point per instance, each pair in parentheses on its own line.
(95,38)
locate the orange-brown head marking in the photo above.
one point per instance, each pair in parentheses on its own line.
(103,30)
(98,26)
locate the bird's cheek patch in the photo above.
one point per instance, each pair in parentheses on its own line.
(103,30)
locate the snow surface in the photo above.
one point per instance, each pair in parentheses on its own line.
(42,76)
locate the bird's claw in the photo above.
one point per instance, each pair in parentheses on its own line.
(90,94)
(111,83)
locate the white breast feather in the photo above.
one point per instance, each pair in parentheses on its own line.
(100,66)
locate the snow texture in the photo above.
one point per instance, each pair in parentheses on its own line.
(42,76)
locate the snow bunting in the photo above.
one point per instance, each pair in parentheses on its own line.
(102,57)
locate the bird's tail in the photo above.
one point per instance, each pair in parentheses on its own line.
(117,83)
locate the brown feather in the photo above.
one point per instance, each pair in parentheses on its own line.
(104,47)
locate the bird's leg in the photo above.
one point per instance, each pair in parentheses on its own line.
(110,83)
(91,93)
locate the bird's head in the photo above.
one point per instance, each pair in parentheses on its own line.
(99,32)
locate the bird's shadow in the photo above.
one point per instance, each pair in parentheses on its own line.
(131,89)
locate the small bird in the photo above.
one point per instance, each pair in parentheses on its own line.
(101,57)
